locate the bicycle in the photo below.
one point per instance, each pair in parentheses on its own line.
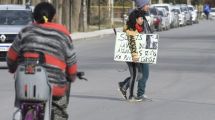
(33,92)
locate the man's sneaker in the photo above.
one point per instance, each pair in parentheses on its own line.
(131,99)
(141,98)
(122,91)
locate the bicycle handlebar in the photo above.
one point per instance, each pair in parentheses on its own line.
(80,76)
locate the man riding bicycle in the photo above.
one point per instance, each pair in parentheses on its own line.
(54,42)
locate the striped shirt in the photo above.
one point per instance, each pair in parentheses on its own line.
(51,39)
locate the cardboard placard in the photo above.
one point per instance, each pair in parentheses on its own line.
(146,45)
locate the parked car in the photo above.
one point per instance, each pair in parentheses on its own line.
(157,19)
(212,14)
(175,23)
(168,8)
(12,19)
(165,19)
(194,13)
(185,11)
(150,19)
(180,15)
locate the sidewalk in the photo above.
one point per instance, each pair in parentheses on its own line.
(99,33)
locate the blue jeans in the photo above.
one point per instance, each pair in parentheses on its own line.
(144,68)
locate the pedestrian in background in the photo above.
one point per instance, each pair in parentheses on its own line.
(206,10)
(138,71)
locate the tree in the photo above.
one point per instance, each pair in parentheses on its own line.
(76,8)
(58,4)
(66,12)
(34,2)
(83,16)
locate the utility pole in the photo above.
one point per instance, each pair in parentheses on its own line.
(84,15)
(112,12)
(160,1)
(189,2)
(133,4)
(23,2)
(88,11)
(99,15)
(109,8)
(123,4)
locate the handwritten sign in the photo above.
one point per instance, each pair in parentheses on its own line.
(146,45)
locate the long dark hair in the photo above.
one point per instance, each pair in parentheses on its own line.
(44,9)
(132,19)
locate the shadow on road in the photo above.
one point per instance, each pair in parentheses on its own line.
(96,97)
(3,68)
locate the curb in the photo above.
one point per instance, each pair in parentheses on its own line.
(86,35)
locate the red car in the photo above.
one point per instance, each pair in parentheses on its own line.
(157,19)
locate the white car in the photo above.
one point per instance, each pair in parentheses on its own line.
(181,16)
(165,19)
(212,14)
(185,11)
(168,7)
(194,13)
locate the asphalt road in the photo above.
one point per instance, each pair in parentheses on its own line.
(181,84)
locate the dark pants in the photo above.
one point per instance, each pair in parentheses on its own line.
(60,105)
(207,15)
(138,72)
(133,68)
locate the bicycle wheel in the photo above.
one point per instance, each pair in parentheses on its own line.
(30,115)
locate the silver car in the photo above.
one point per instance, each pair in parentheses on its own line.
(12,19)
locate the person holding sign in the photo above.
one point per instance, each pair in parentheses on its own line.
(136,24)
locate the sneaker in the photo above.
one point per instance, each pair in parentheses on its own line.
(145,97)
(141,98)
(131,99)
(122,91)
(17,114)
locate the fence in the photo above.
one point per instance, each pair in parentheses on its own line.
(101,16)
